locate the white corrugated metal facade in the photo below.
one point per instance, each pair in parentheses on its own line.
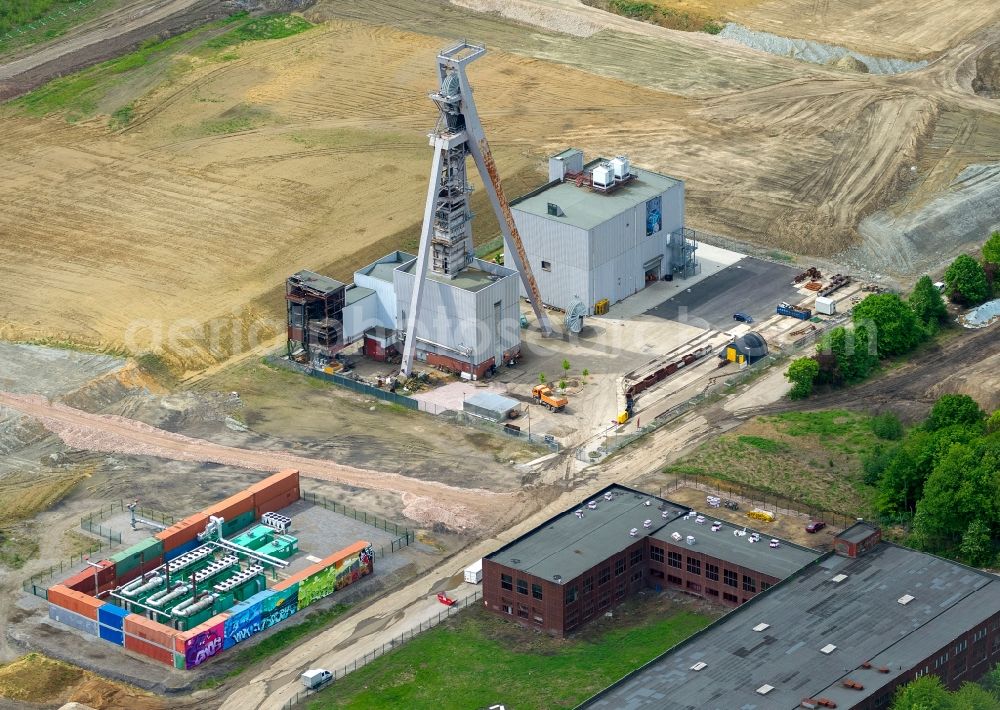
(596,246)
(469,325)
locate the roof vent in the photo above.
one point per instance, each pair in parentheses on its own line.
(609,496)
(647,523)
(676,536)
(515,560)
(761,626)
(592,505)
(828,649)
(554,210)
(906,599)
(838,578)
(579,513)
(648,502)
(557,577)
(765,689)
(699,665)
(633,532)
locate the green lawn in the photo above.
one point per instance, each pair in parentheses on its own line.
(476,659)
(811,458)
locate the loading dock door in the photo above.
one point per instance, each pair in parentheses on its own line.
(652,269)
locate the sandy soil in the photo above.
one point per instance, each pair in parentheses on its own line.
(425,502)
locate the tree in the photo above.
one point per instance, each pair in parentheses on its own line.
(927,303)
(541,378)
(802,373)
(993,423)
(951,409)
(890,322)
(977,545)
(965,281)
(991,249)
(852,354)
(586,372)
(924,693)
(565,366)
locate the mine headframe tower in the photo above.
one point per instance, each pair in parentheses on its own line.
(446,235)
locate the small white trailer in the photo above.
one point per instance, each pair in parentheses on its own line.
(474,572)
(826,306)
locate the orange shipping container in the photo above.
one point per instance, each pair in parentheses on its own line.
(82,604)
(232,506)
(281,481)
(148,649)
(183,531)
(348,551)
(151,631)
(273,505)
(299,576)
(182,637)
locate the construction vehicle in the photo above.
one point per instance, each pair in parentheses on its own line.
(542,394)
(787,309)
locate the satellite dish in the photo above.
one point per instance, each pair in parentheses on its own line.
(574,316)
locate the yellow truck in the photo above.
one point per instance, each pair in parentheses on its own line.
(542,394)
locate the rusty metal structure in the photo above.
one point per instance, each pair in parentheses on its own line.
(640,381)
(315,306)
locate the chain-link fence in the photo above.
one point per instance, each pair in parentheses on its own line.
(39,582)
(92,522)
(406,536)
(390,645)
(513,431)
(346,382)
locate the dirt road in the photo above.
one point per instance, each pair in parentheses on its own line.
(425,502)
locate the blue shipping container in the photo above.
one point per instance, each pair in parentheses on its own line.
(72,619)
(112,616)
(115,636)
(180,550)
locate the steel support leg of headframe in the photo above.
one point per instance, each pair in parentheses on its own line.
(423,255)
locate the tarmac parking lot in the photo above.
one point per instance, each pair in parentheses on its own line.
(749,286)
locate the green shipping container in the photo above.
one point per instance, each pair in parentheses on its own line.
(238,523)
(141,552)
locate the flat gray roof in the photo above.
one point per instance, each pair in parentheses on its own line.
(356,293)
(860,615)
(726,544)
(493,402)
(585,208)
(471,278)
(318,282)
(859,532)
(382,269)
(568,546)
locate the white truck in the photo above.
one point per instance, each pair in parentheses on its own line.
(474,572)
(316,677)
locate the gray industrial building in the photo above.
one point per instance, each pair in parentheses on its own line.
(844,631)
(602,231)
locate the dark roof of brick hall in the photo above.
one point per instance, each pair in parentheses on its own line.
(822,624)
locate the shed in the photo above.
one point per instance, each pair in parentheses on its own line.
(492,406)
(748,347)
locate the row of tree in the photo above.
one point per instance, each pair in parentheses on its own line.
(929,693)
(944,476)
(970,282)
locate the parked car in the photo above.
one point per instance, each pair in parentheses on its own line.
(743,317)
(815,526)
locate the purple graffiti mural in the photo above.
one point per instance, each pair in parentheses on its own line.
(200,648)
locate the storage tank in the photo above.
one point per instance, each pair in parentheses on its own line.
(603,176)
(620,167)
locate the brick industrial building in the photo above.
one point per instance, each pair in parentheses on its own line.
(842,629)
(587,559)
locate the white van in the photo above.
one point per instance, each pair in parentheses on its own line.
(315,677)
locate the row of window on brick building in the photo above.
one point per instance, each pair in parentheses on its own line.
(693,565)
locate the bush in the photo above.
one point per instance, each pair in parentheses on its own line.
(887,426)
(802,374)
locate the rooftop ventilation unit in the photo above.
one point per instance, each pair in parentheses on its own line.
(609,496)
(716,526)
(647,523)
(664,514)
(700,520)
(633,532)
(579,513)
(828,649)
(592,505)
(839,578)
(906,599)
(775,542)
(676,536)
(765,689)
(761,627)
(699,665)
(690,539)
(648,502)
(554,210)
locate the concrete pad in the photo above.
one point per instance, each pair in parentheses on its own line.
(451,396)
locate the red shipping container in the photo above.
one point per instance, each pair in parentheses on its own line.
(149,650)
(183,531)
(82,604)
(232,506)
(151,631)
(106,573)
(83,581)
(282,500)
